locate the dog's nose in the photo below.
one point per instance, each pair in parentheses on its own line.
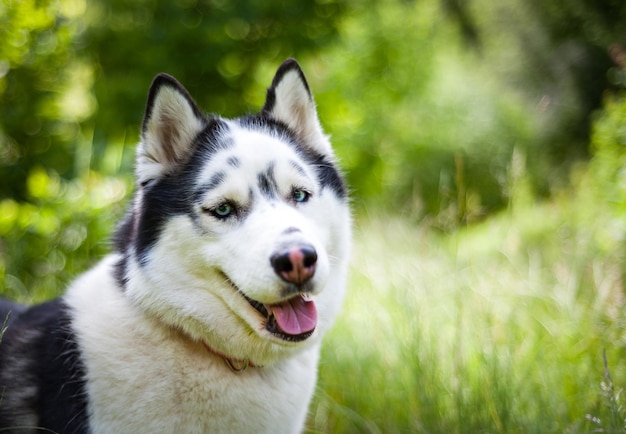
(295,264)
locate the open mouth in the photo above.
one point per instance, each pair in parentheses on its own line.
(292,320)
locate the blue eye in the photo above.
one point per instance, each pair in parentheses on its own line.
(223,210)
(300,195)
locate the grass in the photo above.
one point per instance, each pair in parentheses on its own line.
(499,328)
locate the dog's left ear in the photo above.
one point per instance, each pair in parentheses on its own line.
(170,126)
(289,100)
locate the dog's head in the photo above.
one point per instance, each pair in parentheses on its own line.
(239,231)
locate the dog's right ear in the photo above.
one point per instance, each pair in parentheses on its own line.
(170,126)
(289,100)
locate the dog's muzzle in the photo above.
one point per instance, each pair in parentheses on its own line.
(295,318)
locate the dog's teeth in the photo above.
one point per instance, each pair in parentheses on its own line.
(306,297)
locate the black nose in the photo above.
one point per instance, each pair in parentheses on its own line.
(295,264)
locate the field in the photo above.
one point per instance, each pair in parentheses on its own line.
(512,326)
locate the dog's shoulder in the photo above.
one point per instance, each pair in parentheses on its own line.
(41,374)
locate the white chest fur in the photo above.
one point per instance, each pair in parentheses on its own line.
(146,378)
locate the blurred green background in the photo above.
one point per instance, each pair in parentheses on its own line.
(485,146)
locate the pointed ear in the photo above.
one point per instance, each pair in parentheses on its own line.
(170,126)
(289,100)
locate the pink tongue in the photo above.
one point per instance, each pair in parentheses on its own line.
(295,316)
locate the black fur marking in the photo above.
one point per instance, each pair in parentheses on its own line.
(41,368)
(287,66)
(216,180)
(121,238)
(328,175)
(124,231)
(298,168)
(234,162)
(267,182)
(120,272)
(167,197)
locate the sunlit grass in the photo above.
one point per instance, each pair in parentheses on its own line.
(499,328)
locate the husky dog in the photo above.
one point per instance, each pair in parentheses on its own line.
(229,267)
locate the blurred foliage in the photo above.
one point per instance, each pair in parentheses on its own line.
(440,109)
(420,122)
(36,58)
(606,179)
(213,47)
(58,233)
(436,97)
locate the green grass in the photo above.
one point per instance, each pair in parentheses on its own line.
(500,328)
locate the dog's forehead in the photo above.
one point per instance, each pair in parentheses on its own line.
(250,151)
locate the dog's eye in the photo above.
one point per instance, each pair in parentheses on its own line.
(300,195)
(223,210)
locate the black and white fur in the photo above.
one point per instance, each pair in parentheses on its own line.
(229,267)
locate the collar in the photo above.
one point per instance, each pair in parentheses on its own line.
(235,365)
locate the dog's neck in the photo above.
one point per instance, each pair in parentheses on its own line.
(235,365)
